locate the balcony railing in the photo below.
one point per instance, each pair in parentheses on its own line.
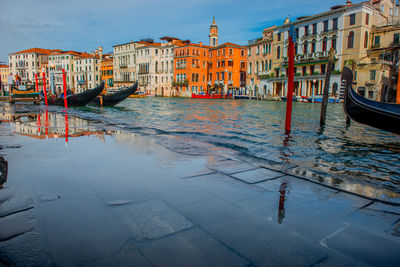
(181,67)
(180,83)
(123,66)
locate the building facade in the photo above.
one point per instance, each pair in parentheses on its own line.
(86,72)
(4,72)
(259,66)
(190,69)
(57,62)
(125,63)
(107,70)
(146,67)
(227,68)
(339,28)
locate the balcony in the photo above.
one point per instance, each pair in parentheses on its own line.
(181,67)
(180,83)
(123,66)
(230,82)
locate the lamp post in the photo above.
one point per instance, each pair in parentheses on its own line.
(313,90)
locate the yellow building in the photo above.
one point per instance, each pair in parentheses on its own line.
(4,71)
(107,70)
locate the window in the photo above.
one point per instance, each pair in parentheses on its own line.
(326,24)
(323,68)
(335,24)
(377,40)
(324,44)
(372,75)
(249,51)
(352,19)
(230,51)
(366,19)
(334,42)
(304,70)
(366,40)
(258,50)
(278,52)
(383,8)
(313,45)
(306,30)
(230,63)
(297,32)
(350,40)
(305,48)
(279,36)
(396,38)
(242,53)
(314,26)
(370,94)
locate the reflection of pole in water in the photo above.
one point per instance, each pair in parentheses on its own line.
(282,196)
(46,123)
(66,129)
(39,124)
(285,156)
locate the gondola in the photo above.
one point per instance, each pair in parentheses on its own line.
(115,98)
(80,99)
(376,114)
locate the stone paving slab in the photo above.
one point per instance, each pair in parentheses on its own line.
(127,256)
(151,219)
(192,247)
(385,207)
(231,166)
(378,222)
(184,196)
(261,242)
(80,229)
(366,247)
(257,175)
(205,171)
(225,187)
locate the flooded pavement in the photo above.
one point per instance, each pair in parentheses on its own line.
(95,187)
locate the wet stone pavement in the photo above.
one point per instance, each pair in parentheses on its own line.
(109,197)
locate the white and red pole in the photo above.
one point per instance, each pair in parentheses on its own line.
(65,89)
(44,88)
(289,101)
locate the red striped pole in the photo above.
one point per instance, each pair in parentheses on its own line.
(65,89)
(289,100)
(44,89)
(37,85)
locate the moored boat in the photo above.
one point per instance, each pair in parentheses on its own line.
(138,94)
(318,99)
(80,99)
(207,96)
(380,115)
(115,97)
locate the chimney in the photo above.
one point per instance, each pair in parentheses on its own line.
(348,2)
(286,21)
(100,52)
(200,43)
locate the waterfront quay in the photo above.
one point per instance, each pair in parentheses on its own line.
(125,186)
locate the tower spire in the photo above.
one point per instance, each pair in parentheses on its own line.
(213,33)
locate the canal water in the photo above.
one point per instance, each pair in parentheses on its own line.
(254,131)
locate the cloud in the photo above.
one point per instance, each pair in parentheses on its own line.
(83,25)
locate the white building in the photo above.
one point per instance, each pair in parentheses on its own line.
(86,72)
(28,62)
(125,63)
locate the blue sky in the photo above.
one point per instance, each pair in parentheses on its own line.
(83,25)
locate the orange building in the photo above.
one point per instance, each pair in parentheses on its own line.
(227,68)
(107,70)
(190,69)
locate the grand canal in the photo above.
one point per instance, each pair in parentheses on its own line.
(355,158)
(254,131)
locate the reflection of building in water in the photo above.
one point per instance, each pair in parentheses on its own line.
(3,171)
(49,125)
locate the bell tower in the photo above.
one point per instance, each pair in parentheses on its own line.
(213,33)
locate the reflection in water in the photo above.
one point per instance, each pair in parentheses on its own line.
(282,197)
(3,171)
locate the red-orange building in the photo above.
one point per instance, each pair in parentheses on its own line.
(190,69)
(227,67)
(106,70)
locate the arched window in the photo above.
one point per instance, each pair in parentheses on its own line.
(324,44)
(305,48)
(266,64)
(257,67)
(270,64)
(350,40)
(250,68)
(278,52)
(366,40)
(197,77)
(262,65)
(156,66)
(193,77)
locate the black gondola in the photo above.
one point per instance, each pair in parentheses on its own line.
(376,114)
(115,98)
(80,99)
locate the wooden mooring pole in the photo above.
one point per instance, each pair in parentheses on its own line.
(325,98)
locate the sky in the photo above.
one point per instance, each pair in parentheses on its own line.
(83,25)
